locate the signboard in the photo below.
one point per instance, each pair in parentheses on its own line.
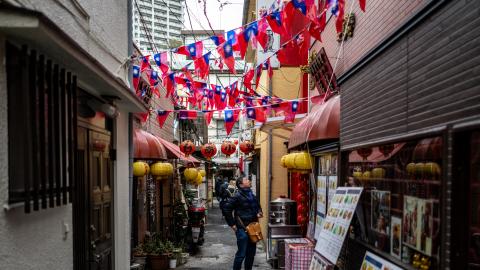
(373,262)
(336,225)
(273,39)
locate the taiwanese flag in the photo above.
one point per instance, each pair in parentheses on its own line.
(232,37)
(363,4)
(262,36)
(136,76)
(194,50)
(161,61)
(202,65)
(169,83)
(162,117)
(247,79)
(315,31)
(275,21)
(304,6)
(291,111)
(154,82)
(233,94)
(211,98)
(144,116)
(258,72)
(218,39)
(230,119)
(187,72)
(226,52)
(338,9)
(265,102)
(145,62)
(220,97)
(249,32)
(267,66)
(208,117)
(257,114)
(187,114)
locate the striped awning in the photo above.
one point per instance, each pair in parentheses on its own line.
(322,123)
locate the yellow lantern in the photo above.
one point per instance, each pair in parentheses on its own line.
(147,168)
(366,175)
(290,160)
(199,180)
(419,168)
(162,169)
(139,168)
(303,161)
(202,172)
(282,161)
(378,172)
(190,174)
(411,169)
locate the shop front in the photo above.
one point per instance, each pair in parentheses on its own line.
(409,136)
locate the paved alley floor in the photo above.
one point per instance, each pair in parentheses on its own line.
(220,246)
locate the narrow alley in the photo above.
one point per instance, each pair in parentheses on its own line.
(220,246)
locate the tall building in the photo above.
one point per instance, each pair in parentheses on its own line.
(163,20)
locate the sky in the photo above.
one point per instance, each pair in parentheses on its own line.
(228,18)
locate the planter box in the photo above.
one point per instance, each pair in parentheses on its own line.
(158,262)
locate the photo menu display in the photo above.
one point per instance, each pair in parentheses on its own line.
(337,222)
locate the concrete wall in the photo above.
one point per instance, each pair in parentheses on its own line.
(381,18)
(285,84)
(99,27)
(121,211)
(35,240)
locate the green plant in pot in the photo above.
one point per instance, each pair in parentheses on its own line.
(158,253)
(140,255)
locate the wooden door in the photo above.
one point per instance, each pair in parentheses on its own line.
(100,225)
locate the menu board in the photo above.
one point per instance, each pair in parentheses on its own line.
(373,262)
(337,222)
(332,186)
(321,203)
(318,263)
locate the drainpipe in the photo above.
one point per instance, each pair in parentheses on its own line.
(270,154)
(130,123)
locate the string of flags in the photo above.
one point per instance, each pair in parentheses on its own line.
(209,98)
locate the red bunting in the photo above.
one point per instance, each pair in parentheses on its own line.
(226,52)
(145,60)
(262,36)
(208,117)
(162,117)
(169,83)
(247,79)
(187,115)
(363,4)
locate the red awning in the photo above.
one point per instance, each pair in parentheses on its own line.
(173,151)
(147,146)
(322,123)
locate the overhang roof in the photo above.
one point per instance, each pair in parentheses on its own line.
(322,123)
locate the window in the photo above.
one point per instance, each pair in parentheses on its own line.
(401,198)
(42,134)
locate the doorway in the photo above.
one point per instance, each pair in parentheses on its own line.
(93,206)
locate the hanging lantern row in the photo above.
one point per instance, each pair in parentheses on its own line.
(247,147)
(160,170)
(300,161)
(187,147)
(228,148)
(208,150)
(193,176)
(364,152)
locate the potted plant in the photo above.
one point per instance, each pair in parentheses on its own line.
(139,255)
(169,249)
(157,253)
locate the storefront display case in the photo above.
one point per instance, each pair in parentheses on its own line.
(399,213)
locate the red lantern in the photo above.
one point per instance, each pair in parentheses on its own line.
(187,147)
(301,220)
(301,198)
(228,148)
(386,149)
(208,150)
(364,152)
(246,147)
(235,142)
(302,209)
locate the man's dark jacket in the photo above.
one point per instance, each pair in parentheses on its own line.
(244,206)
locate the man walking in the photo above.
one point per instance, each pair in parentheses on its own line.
(239,211)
